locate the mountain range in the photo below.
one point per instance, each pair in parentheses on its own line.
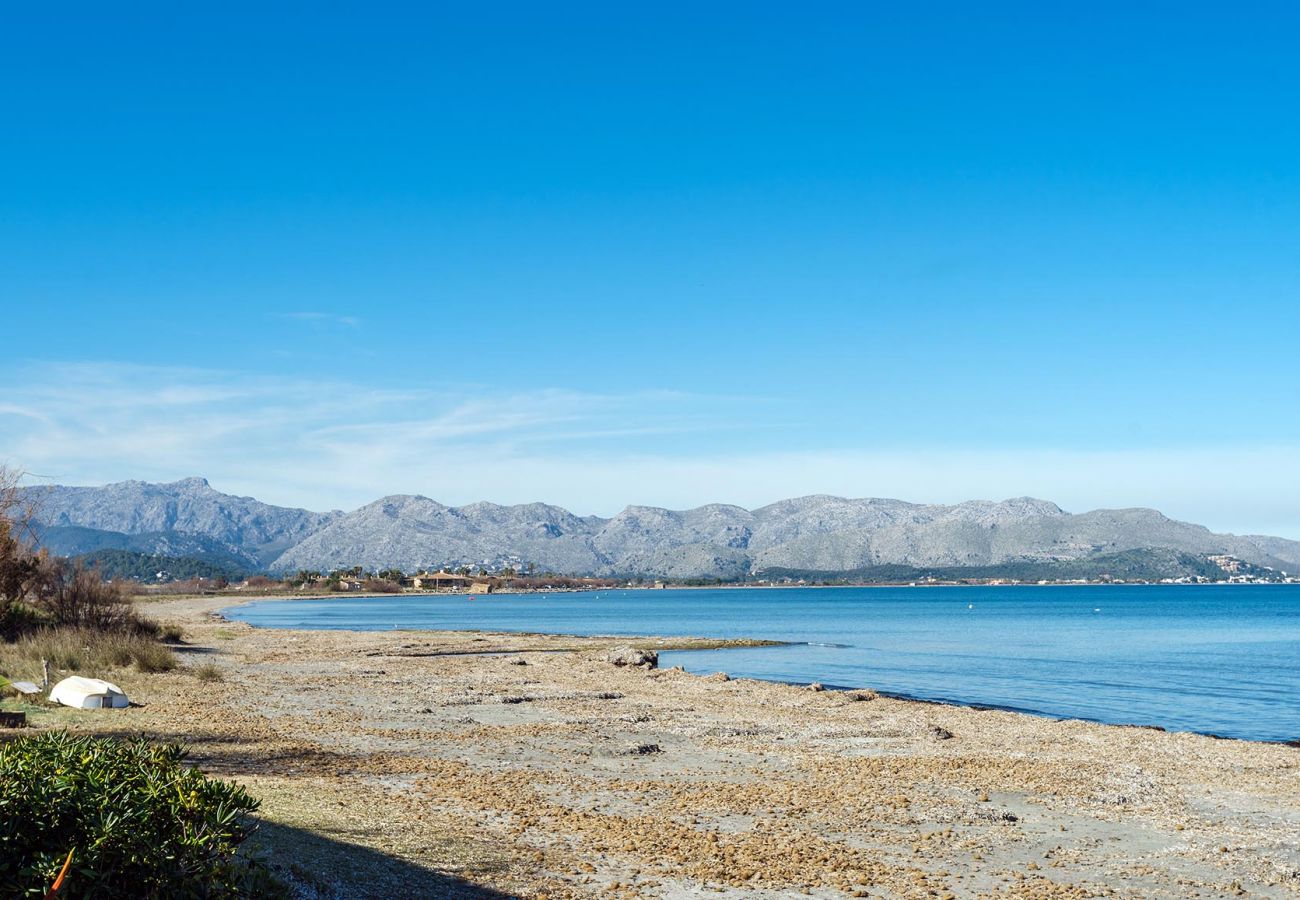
(183,518)
(807,534)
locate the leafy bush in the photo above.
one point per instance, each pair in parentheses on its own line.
(18,567)
(138,821)
(17,618)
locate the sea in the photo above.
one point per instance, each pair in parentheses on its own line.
(1214,659)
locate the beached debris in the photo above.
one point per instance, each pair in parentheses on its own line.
(20,687)
(718,676)
(633,656)
(816,686)
(862,696)
(517,661)
(940,732)
(642,750)
(88,693)
(996,816)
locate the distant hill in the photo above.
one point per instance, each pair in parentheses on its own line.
(1126,565)
(183,518)
(147,567)
(810,534)
(77,540)
(815,534)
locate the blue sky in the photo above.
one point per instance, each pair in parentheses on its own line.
(599,254)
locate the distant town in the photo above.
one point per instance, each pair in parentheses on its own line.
(516,576)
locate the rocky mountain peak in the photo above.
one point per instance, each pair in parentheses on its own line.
(813,533)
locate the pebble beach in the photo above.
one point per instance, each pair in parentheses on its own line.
(418,764)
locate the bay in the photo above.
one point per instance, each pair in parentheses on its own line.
(1216,659)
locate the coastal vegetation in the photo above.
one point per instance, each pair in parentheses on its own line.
(85,650)
(101,816)
(1143,566)
(133,565)
(121,819)
(61,613)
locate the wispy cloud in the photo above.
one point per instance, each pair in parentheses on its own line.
(327,444)
(317,442)
(322,317)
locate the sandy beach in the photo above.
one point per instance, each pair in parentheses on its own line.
(426,764)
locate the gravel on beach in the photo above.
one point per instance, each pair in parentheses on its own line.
(417,764)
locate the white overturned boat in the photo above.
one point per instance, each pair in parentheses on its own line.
(89,693)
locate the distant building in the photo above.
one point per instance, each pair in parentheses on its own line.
(1229,564)
(432,581)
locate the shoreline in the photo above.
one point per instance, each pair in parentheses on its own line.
(545,771)
(669,643)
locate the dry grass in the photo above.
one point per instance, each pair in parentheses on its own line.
(208,673)
(86,651)
(171,633)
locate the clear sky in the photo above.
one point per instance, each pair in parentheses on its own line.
(600,254)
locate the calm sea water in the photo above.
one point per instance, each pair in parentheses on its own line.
(1218,659)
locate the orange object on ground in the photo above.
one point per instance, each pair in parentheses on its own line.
(58,882)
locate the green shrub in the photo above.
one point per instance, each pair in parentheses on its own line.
(17,618)
(139,822)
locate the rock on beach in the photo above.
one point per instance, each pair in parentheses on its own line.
(633,656)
